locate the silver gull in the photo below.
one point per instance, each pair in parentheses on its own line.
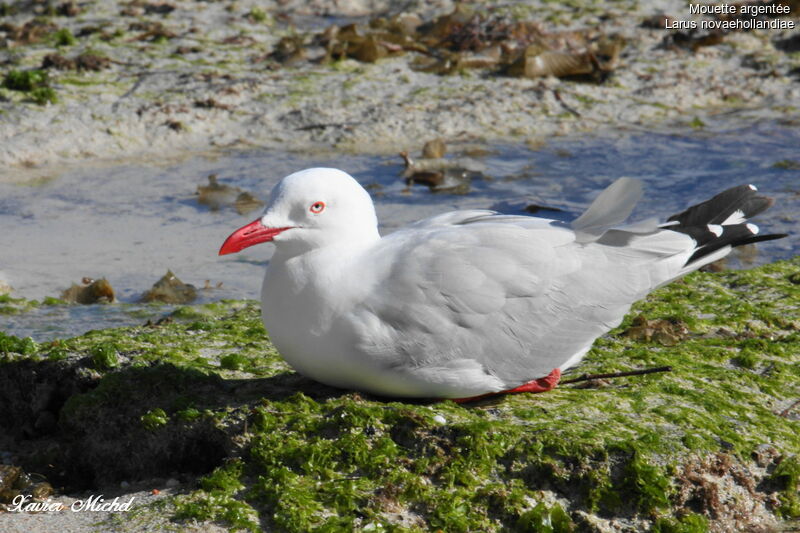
(466,303)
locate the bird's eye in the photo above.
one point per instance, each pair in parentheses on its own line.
(317,207)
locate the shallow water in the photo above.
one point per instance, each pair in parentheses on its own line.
(132,222)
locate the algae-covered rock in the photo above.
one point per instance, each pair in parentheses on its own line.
(170,289)
(466,39)
(666,332)
(438,175)
(714,444)
(15,482)
(90,291)
(219,195)
(216,195)
(434,149)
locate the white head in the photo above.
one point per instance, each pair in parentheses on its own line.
(310,209)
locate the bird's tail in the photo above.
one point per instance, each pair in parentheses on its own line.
(722,223)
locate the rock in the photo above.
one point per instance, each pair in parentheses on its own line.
(170,289)
(90,292)
(596,61)
(217,195)
(8,478)
(246,202)
(57,61)
(658,21)
(434,149)
(69,9)
(703,447)
(666,332)
(46,423)
(93,62)
(441,178)
(535,208)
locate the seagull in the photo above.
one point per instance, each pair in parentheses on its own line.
(467,303)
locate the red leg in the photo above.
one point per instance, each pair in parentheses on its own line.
(544,384)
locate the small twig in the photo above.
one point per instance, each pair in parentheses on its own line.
(564,104)
(785,412)
(588,377)
(141,77)
(126,64)
(324,125)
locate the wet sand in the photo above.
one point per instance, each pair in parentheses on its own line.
(199,77)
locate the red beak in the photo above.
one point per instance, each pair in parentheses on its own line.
(246,236)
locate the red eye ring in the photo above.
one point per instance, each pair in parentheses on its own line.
(317,207)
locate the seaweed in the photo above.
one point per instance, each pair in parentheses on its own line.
(710,445)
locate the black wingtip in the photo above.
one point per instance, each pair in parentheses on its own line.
(733,243)
(717,210)
(722,220)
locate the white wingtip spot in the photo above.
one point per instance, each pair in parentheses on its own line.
(753,228)
(716,229)
(752,187)
(737,217)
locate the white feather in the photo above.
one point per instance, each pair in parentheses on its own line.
(737,217)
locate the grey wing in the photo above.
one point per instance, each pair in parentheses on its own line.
(610,208)
(513,297)
(451,218)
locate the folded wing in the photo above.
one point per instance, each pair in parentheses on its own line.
(510,298)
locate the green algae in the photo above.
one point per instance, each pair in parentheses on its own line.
(233,361)
(63,37)
(18,80)
(302,456)
(697,123)
(258,15)
(154,419)
(12,306)
(348,461)
(104,356)
(43,95)
(10,344)
(787,164)
(691,523)
(34,83)
(787,474)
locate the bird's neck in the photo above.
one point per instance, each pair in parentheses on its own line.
(306,279)
(332,245)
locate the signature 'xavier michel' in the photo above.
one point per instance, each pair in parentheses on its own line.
(468,302)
